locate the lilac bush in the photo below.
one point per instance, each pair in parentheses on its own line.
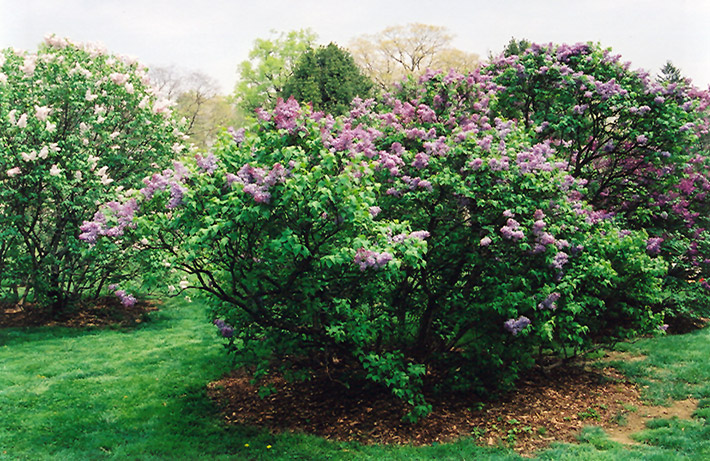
(79,127)
(418,237)
(638,142)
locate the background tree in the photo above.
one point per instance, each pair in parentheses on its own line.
(670,74)
(270,64)
(397,51)
(516,47)
(195,97)
(328,78)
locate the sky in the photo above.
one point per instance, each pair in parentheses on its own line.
(214,36)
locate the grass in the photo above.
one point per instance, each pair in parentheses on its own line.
(140,394)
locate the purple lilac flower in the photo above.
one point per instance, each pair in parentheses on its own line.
(476,164)
(559,260)
(368,258)
(286,114)
(485,143)
(225,329)
(421,160)
(663,327)
(177,193)
(641,139)
(426,114)
(420,234)
(375,210)
(515,326)
(511,230)
(207,164)
(485,241)
(127,300)
(653,245)
(549,302)
(237,135)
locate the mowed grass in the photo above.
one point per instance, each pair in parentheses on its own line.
(140,394)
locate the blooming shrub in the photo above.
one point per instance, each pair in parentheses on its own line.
(76,125)
(636,141)
(415,239)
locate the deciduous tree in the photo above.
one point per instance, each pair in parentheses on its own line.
(270,64)
(398,51)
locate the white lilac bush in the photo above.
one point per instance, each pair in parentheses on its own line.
(79,127)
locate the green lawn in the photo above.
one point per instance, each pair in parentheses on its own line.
(140,394)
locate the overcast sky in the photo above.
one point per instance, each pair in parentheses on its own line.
(213,36)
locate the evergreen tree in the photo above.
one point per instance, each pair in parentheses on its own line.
(328,78)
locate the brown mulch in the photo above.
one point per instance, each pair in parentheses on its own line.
(545,407)
(104,312)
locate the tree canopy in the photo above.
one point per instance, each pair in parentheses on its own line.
(397,51)
(270,64)
(328,78)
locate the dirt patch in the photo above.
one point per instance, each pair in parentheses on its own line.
(103,312)
(635,419)
(544,408)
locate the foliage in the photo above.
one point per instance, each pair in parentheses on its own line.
(670,74)
(328,79)
(413,239)
(635,141)
(196,99)
(516,47)
(270,64)
(75,123)
(400,51)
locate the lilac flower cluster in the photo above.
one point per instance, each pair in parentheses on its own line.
(122,213)
(515,326)
(420,235)
(653,245)
(225,329)
(206,164)
(286,114)
(536,159)
(257,181)
(169,177)
(549,302)
(368,258)
(511,230)
(126,299)
(237,135)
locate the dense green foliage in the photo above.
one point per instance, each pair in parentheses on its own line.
(414,239)
(636,141)
(328,79)
(75,123)
(271,62)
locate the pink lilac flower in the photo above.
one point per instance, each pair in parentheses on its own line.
(511,230)
(485,241)
(368,258)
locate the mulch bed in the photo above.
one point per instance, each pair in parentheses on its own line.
(544,408)
(104,312)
